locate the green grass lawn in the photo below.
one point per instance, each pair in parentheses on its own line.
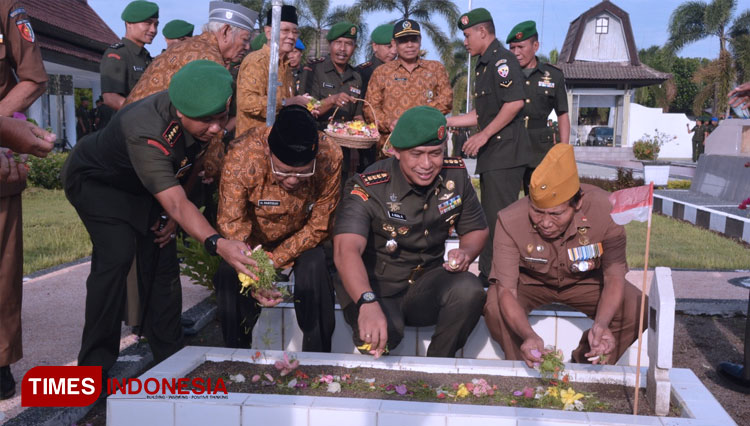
(53,234)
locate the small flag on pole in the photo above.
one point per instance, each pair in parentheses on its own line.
(632,204)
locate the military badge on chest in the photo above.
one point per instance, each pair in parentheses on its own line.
(184,168)
(391,245)
(584,256)
(449,205)
(545,81)
(393,205)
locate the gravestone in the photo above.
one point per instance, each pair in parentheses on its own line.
(721,171)
(661,306)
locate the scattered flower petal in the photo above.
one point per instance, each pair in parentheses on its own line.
(237,378)
(292,383)
(334,387)
(255,378)
(401,389)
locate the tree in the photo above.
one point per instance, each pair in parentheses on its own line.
(316,15)
(554,55)
(422,11)
(696,20)
(661,95)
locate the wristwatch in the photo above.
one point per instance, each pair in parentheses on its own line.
(210,244)
(366,297)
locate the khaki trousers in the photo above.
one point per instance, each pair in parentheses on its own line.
(11,278)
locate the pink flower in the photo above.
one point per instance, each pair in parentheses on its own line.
(326,379)
(400,389)
(517,393)
(285,366)
(255,378)
(441,395)
(455,386)
(269,377)
(528,392)
(470,387)
(535,353)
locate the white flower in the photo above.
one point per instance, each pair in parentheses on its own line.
(370,380)
(292,383)
(238,378)
(579,405)
(334,387)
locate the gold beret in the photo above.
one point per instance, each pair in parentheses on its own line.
(555,180)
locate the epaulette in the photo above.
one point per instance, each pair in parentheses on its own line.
(552,66)
(364,65)
(116,45)
(374,178)
(309,65)
(453,163)
(172,133)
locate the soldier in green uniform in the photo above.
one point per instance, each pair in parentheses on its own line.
(502,143)
(336,84)
(120,181)
(383,50)
(389,242)
(699,135)
(123,63)
(295,63)
(177,30)
(545,91)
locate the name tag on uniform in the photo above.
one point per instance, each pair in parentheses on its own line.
(137,69)
(355,90)
(548,85)
(450,204)
(400,78)
(535,260)
(274,203)
(184,169)
(397,216)
(328,85)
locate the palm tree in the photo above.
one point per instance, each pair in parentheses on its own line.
(695,20)
(423,12)
(316,15)
(260,6)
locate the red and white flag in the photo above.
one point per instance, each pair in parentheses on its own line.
(632,204)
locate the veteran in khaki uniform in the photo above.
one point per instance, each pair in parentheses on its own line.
(389,243)
(120,180)
(545,91)
(406,82)
(279,189)
(502,143)
(252,80)
(123,63)
(560,245)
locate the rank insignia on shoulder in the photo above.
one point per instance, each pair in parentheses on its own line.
(453,163)
(116,45)
(159,146)
(360,192)
(172,133)
(314,61)
(114,55)
(364,64)
(375,178)
(506,83)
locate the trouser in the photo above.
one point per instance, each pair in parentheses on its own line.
(697,145)
(584,298)
(11,277)
(499,189)
(313,303)
(115,242)
(450,301)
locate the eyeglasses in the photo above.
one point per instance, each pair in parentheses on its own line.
(296,175)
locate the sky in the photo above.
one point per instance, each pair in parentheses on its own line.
(649,19)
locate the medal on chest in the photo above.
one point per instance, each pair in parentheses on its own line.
(393,205)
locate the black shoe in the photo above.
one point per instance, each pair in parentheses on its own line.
(7,383)
(186,322)
(734,373)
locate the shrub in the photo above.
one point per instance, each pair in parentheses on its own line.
(197,264)
(45,172)
(624,180)
(679,184)
(647,147)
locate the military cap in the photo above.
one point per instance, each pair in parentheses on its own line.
(178,28)
(294,136)
(342,29)
(555,180)
(422,125)
(233,14)
(405,27)
(299,45)
(288,14)
(522,31)
(201,88)
(139,11)
(258,41)
(382,34)
(473,17)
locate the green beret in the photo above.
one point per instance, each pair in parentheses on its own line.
(422,125)
(201,88)
(342,29)
(258,41)
(139,11)
(473,17)
(522,31)
(178,28)
(382,34)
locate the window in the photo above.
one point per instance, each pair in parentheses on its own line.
(602,25)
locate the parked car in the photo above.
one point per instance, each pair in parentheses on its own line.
(601,136)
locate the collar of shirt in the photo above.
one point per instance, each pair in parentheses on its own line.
(402,187)
(134,48)
(420,63)
(488,54)
(329,67)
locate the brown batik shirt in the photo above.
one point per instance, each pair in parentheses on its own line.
(252,88)
(159,73)
(392,90)
(254,208)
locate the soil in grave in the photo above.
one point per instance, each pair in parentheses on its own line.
(611,398)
